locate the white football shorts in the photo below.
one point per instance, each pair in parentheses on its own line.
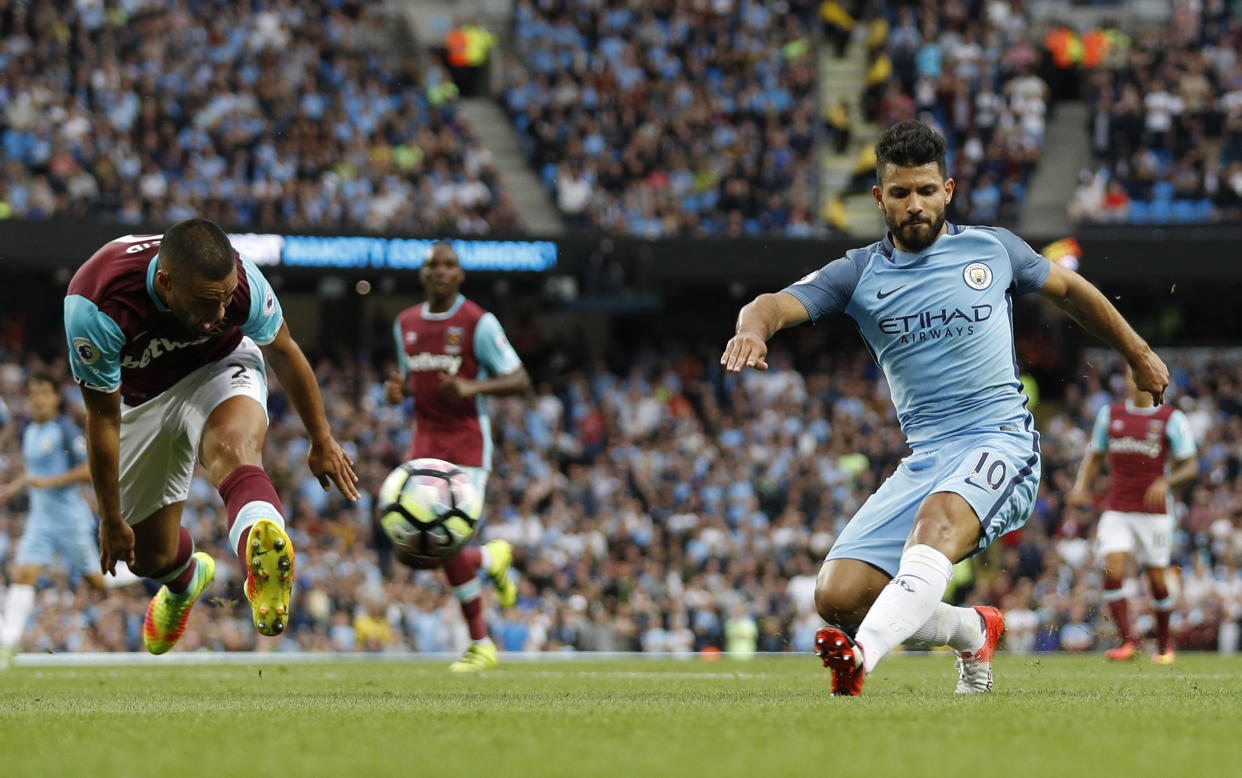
(1149,536)
(159,439)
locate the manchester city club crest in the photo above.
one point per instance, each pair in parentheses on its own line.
(978,276)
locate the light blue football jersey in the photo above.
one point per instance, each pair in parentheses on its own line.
(939,323)
(50,449)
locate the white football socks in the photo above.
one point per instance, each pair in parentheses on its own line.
(17,606)
(906,603)
(485,558)
(958,628)
(249,515)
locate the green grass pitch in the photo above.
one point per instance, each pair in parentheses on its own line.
(1049,716)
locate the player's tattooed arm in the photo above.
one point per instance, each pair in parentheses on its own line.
(1089,307)
(759,320)
(326,459)
(103,455)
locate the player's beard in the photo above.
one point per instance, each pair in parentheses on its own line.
(912,238)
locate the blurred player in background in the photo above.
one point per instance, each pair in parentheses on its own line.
(932,301)
(164,337)
(58,520)
(451,353)
(1138,439)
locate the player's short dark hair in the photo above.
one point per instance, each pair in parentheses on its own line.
(448,244)
(199,247)
(44,377)
(909,143)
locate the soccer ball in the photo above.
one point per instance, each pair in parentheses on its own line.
(429,508)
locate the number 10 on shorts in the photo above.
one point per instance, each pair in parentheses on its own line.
(992,469)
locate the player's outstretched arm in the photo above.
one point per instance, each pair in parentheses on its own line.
(759,320)
(326,459)
(1184,471)
(1088,469)
(75,475)
(516,382)
(103,455)
(9,491)
(394,389)
(1089,307)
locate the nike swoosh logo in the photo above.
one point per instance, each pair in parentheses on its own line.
(978,486)
(881,294)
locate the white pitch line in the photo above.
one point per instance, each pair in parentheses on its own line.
(218,658)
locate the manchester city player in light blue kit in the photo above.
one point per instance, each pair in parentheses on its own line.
(933,302)
(59,520)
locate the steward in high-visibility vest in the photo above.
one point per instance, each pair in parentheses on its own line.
(478,43)
(1065,46)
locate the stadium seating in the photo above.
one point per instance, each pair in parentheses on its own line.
(642,122)
(975,80)
(1166,122)
(273,116)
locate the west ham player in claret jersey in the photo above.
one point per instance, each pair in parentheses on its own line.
(932,301)
(1139,440)
(451,353)
(167,337)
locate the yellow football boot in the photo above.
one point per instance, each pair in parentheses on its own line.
(269,576)
(168,613)
(478,657)
(498,572)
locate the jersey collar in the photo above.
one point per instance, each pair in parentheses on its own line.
(1148,411)
(155,298)
(453,309)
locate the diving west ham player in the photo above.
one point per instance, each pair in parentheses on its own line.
(932,301)
(451,353)
(164,336)
(1138,439)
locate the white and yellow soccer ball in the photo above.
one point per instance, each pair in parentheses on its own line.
(429,508)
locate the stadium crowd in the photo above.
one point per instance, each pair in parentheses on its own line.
(971,70)
(667,506)
(1166,125)
(655,119)
(271,115)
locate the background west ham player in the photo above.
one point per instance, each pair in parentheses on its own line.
(164,335)
(452,352)
(932,302)
(1138,439)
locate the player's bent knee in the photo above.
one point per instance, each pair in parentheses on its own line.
(839,608)
(955,536)
(27,575)
(226,450)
